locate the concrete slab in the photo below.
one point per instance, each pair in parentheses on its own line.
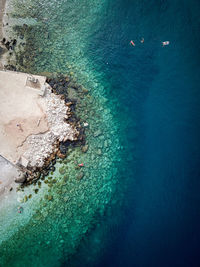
(21,112)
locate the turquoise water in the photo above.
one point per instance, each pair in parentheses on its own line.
(65,209)
(138,203)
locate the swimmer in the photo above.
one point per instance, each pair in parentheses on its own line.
(142,40)
(81,165)
(165,43)
(132,43)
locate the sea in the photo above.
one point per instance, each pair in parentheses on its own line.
(138,203)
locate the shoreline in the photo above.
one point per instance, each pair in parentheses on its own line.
(2,49)
(2,11)
(38,149)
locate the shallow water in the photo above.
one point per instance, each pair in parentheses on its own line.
(145,100)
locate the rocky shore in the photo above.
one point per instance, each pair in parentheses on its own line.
(40,151)
(2,9)
(55,144)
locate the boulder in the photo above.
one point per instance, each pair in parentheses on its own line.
(62,170)
(97,133)
(21,179)
(60,155)
(99,152)
(50,198)
(72,93)
(80,175)
(85,148)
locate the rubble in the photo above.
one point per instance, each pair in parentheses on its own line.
(41,146)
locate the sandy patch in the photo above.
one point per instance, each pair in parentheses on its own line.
(21,113)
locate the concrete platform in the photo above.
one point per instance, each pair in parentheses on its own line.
(21,112)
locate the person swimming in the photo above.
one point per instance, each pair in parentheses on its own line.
(132,43)
(165,43)
(142,41)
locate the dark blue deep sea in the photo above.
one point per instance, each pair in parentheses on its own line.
(157,92)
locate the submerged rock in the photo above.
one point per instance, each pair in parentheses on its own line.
(50,198)
(97,133)
(105,143)
(99,152)
(62,170)
(40,50)
(85,124)
(36,190)
(85,148)
(85,91)
(64,147)
(66,198)
(80,175)
(72,94)
(21,178)
(61,155)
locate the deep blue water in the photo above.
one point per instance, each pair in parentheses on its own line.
(157,92)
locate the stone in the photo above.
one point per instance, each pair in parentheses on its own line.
(50,198)
(36,190)
(60,155)
(67,79)
(14,42)
(65,178)
(72,93)
(97,133)
(63,146)
(24,162)
(85,91)
(62,170)
(85,124)
(85,148)
(99,152)
(80,175)
(66,199)
(40,50)
(21,179)
(100,145)
(105,143)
